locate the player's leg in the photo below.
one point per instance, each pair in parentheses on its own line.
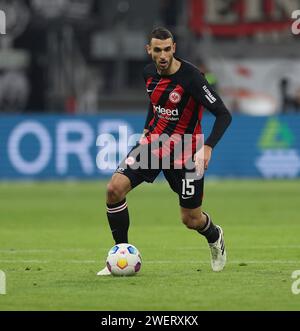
(117,211)
(190,193)
(116,206)
(123,181)
(196,219)
(200,221)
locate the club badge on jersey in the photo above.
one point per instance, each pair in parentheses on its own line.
(174,97)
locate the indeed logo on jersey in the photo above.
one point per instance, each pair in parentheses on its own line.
(208,94)
(169,112)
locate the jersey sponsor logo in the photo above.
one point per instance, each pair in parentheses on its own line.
(149,91)
(174,97)
(164,111)
(208,94)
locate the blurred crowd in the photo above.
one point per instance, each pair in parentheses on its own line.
(87,56)
(290,102)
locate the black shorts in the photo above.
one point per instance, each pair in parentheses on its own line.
(188,189)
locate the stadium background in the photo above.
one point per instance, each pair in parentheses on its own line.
(86,58)
(71,70)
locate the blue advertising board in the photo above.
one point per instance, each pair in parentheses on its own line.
(63,147)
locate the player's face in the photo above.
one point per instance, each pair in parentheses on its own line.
(162,52)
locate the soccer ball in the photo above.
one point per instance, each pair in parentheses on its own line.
(123,260)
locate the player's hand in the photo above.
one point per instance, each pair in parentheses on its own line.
(202,158)
(207,156)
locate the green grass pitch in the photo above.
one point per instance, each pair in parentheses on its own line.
(54,238)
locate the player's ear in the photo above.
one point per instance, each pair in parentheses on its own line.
(174,47)
(148,49)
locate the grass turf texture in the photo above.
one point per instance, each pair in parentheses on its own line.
(54,238)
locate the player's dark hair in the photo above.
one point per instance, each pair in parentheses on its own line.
(160,33)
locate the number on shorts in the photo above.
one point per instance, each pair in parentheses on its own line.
(188,187)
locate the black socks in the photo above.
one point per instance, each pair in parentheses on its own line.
(118,219)
(209,231)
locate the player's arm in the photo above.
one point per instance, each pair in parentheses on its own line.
(150,108)
(204,94)
(147,121)
(149,117)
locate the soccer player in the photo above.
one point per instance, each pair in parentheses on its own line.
(178,93)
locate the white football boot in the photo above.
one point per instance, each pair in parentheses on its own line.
(218,253)
(104,272)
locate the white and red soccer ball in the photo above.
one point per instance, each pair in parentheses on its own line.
(123,260)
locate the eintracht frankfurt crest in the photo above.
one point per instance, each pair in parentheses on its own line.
(174,97)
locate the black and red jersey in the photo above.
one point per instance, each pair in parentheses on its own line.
(177,102)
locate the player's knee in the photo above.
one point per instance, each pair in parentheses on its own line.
(114,192)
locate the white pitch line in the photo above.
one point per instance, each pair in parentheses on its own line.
(157,262)
(191,248)
(24,261)
(243,247)
(229,262)
(70,250)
